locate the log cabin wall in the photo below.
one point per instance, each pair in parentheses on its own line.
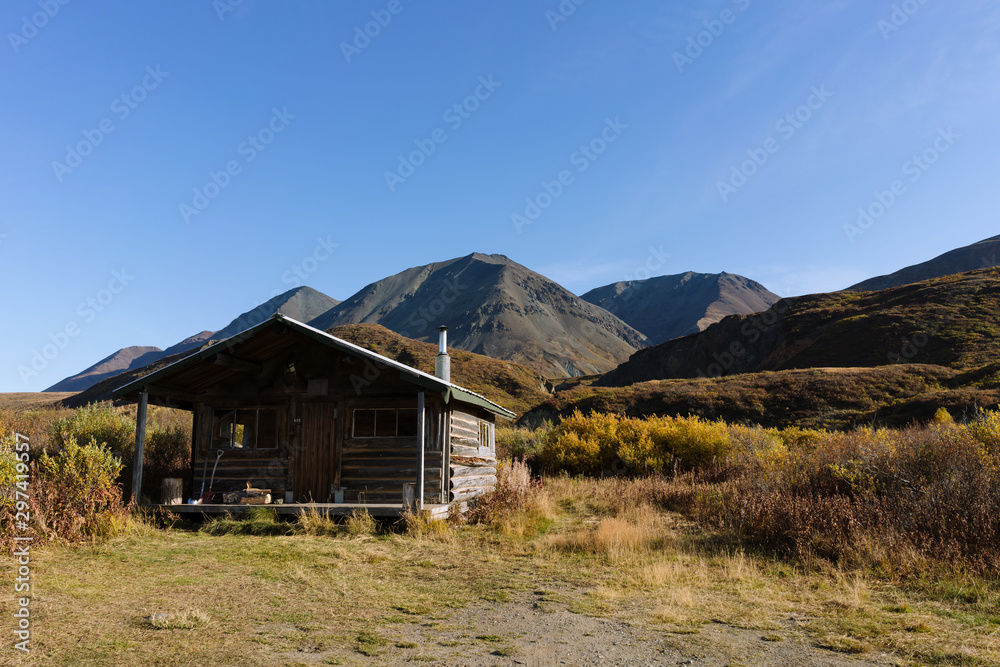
(376,465)
(472,462)
(262,467)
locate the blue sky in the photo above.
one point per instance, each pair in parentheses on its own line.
(204,150)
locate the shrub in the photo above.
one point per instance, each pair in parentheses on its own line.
(942,416)
(166,452)
(692,441)
(75,495)
(873,497)
(892,499)
(522,443)
(8,488)
(985,427)
(583,445)
(602,443)
(101,424)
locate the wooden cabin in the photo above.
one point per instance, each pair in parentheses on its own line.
(316,419)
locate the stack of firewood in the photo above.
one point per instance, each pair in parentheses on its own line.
(248,496)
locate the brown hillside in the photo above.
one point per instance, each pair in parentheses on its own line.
(509,384)
(31,400)
(834,398)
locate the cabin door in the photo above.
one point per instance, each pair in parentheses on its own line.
(316,465)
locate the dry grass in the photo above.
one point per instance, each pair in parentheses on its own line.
(518,507)
(313,522)
(360,524)
(242,599)
(31,400)
(421,525)
(635,531)
(183,620)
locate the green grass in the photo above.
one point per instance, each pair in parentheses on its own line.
(370,643)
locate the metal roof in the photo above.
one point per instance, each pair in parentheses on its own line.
(188,365)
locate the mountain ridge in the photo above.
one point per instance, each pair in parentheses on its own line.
(952,321)
(693,300)
(301,303)
(983,254)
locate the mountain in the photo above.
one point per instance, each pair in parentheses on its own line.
(668,307)
(513,386)
(982,255)
(301,303)
(191,343)
(109,366)
(496,307)
(952,321)
(126,359)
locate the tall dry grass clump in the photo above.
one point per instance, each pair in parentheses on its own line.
(872,497)
(634,530)
(257,520)
(311,521)
(517,506)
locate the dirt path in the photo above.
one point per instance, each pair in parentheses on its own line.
(534,631)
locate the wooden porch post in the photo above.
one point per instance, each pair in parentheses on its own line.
(140,441)
(421,446)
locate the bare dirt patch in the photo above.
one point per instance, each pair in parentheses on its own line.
(536,630)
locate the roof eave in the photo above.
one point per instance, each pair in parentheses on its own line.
(418,377)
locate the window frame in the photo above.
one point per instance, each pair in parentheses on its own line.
(396,410)
(218,415)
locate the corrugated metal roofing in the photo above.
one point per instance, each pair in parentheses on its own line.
(189,374)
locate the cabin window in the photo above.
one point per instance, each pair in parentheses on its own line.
(385,423)
(486,435)
(245,428)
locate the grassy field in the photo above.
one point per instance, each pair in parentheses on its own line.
(726,543)
(585,549)
(32,400)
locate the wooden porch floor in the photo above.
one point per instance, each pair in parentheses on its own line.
(329,509)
